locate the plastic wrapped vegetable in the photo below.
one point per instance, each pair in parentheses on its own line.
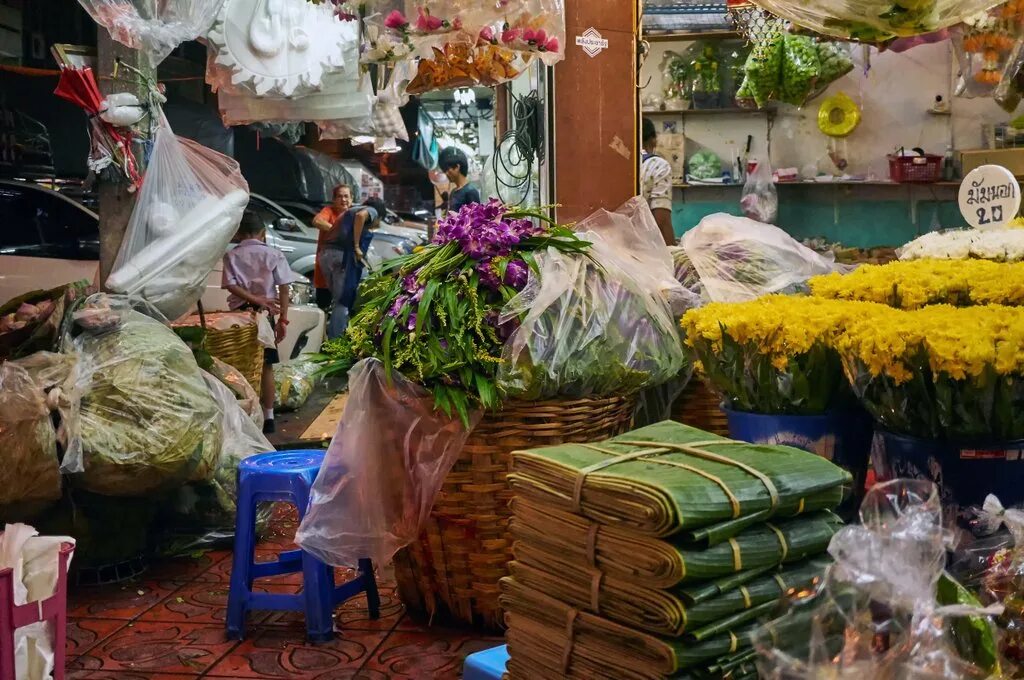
(834,63)
(884,610)
(240,387)
(30,474)
(294,383)
(800,68)
(146,420)
(383,469)
(760,200)
(705,164)
(875,20)
(763,70)
(600,323)
(202,514)
(739,259)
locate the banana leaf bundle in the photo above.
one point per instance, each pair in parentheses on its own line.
(663,564)
(550,639)
(661,612)
(669,479)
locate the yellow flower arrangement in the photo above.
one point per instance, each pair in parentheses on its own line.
(773,354)
(917,283)
(941,371)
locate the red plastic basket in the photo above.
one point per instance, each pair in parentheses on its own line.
(927,168)
(53,608)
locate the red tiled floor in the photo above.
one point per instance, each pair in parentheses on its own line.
(170,626)
(157,647)
(83,634)
(282,653)
(413,656)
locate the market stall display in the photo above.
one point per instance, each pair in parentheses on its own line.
(888,576)
(551,333)
(1000,245)
(684,596)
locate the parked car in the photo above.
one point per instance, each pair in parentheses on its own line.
(48,239)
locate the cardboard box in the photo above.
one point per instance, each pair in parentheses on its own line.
(1011,159)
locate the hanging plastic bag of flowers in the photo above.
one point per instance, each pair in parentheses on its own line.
(155,28)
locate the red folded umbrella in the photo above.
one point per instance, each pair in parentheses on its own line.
(78,86)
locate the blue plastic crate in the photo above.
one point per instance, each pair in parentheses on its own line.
(486,665)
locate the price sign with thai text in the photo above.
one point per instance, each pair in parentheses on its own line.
(989,197)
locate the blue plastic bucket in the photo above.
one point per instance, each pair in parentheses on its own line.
(964,472)
(843,437)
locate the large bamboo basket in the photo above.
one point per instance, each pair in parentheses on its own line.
(233,337)
(699,407)
(453,571)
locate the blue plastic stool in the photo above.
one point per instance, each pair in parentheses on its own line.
(286,476)
(486,665)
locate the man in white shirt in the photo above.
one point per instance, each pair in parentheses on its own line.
(656,183)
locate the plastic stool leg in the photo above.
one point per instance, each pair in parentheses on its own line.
(370,586)
(241,566)
(318,590)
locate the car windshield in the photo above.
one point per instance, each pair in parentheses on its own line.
(39,223)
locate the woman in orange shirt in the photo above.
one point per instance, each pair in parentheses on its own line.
(327,222)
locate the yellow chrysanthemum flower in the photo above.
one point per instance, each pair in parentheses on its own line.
(918,283)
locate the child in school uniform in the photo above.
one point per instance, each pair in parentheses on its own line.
(258,278)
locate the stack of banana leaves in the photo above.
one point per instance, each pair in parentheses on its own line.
(657,553)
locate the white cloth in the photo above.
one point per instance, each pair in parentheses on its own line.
(256,267)
(35,561)
(656,182)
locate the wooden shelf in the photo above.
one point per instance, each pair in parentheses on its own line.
(839,183)
(681,36)
(733,111)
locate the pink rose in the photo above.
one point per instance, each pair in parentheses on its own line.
(530,35)
(396,20)
(457,24)
(427,23)
(487,34)
(510,35)
(552,45)
(540,37)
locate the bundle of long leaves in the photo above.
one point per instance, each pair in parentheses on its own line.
(435,315)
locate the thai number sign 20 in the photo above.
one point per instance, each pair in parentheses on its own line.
(989,197)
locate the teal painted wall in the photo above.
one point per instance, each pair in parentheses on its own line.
(862,222)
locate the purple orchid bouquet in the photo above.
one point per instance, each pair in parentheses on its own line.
(435,315)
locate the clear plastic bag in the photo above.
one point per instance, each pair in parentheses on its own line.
(294,383)
(30,474)
(877,613)
(146,420)
(739,259)
(801,67)
(597,324)
(244,393)
(191,202)
(202,514)
(874,20)
(763,70)
(760,199)
(155,28)
(383,470)
(982,47)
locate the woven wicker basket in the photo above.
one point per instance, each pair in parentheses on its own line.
(453,570)
(699,407)
(237,346)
